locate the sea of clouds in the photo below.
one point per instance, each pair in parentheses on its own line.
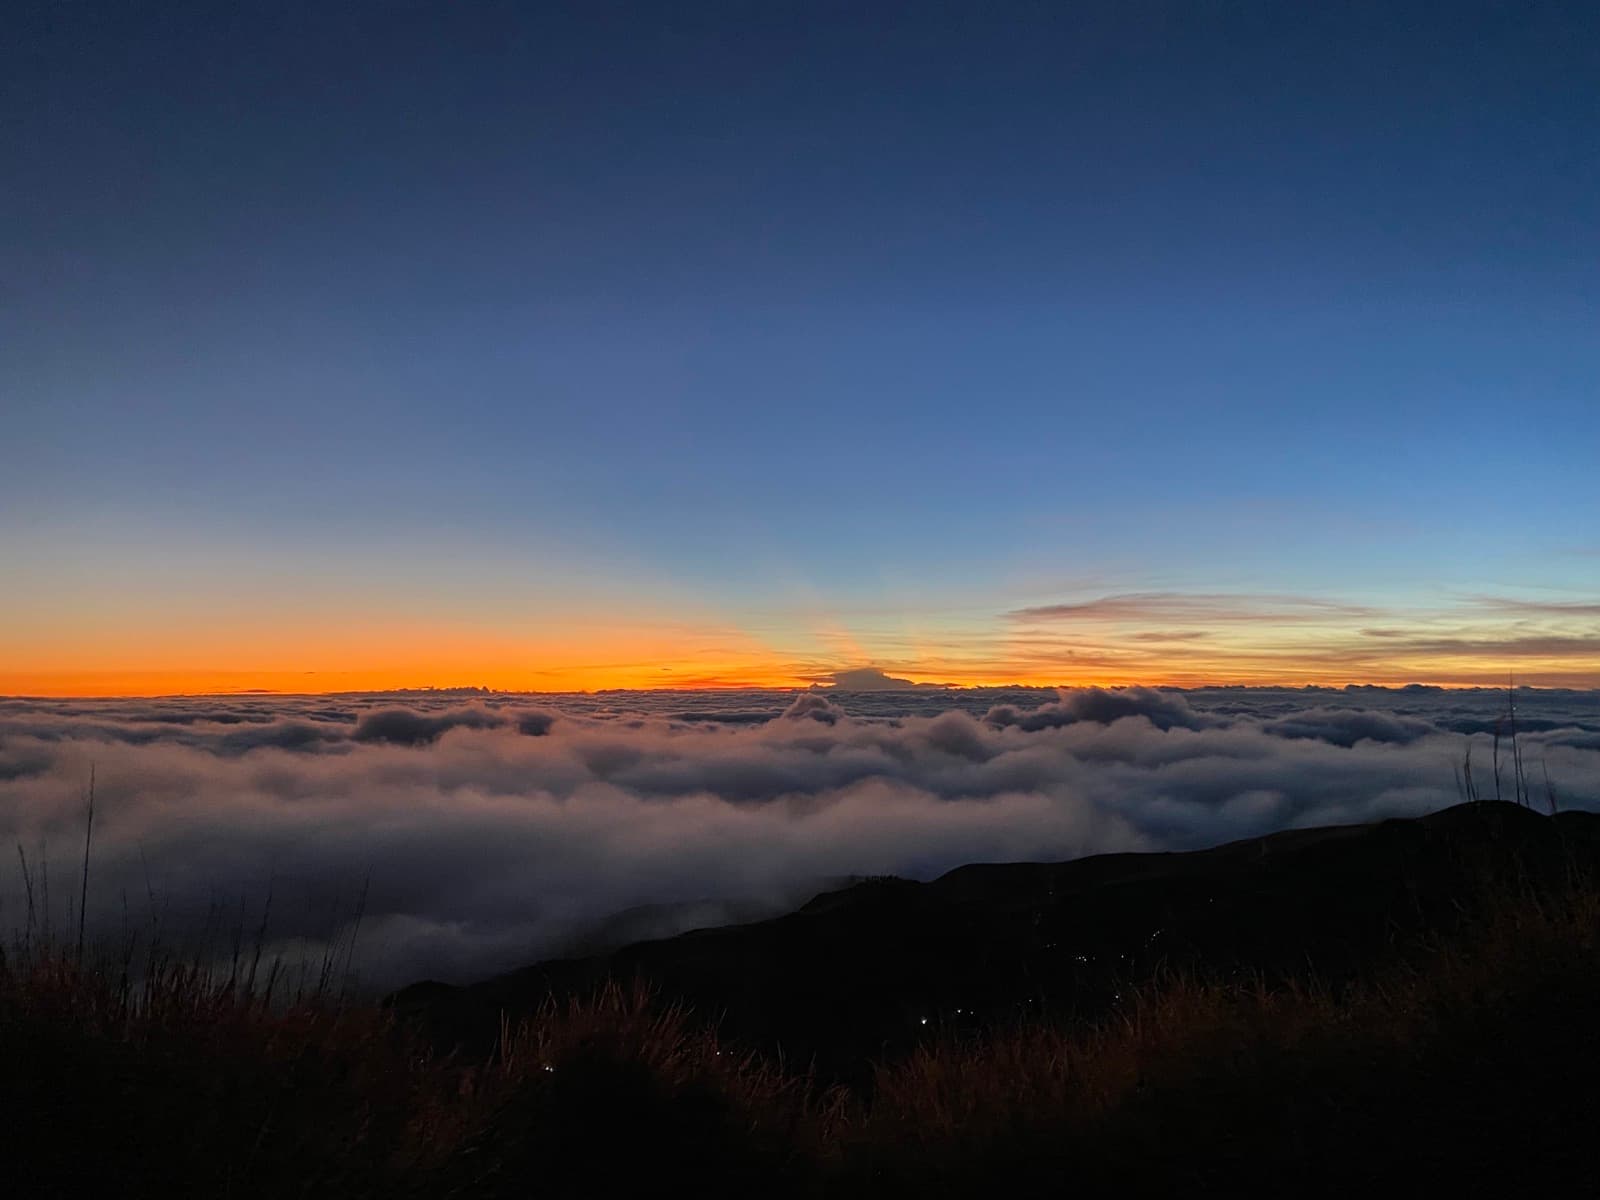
(486,831)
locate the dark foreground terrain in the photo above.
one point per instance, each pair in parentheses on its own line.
(1405,1004)
(860,974)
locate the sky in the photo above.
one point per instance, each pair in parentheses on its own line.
(557,347)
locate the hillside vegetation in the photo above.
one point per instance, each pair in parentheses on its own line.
(1441,1036)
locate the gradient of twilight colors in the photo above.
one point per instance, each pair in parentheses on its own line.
(546,347)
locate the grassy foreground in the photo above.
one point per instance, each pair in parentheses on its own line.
(1471,1063)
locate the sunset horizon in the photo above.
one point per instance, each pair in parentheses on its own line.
(117,689)
(802,599)
(1063,637)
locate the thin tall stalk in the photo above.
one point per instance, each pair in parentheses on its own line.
(83,893)
(27,885)
(44,888)
(261,940)
(1519,780)
(355,932)
(1464,782)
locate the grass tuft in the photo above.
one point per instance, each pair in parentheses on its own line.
(1467,1061)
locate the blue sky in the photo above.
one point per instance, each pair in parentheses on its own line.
(489,315)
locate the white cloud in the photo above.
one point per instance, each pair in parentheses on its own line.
(496,832)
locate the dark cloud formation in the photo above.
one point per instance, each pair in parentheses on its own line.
(285,735)
(811,707)
(1164,710)
(1347,726)
(497,829)
(535,722)
(404,727)
(870,679)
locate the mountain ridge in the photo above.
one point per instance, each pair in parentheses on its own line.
(860,973)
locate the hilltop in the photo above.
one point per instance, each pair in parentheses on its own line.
(867,972)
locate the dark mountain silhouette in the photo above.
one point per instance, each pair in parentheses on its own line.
(865,972)
(648,922)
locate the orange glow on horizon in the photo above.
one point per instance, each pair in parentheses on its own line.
(289,656)
(151,683)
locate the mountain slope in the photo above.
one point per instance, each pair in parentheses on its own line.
(865,972)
